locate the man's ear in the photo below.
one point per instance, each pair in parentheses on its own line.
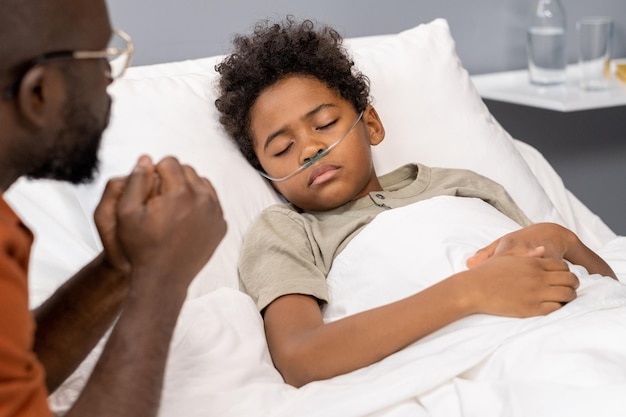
(374,125)
(37,100)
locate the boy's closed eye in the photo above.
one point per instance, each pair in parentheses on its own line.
(285,150)
(327,125)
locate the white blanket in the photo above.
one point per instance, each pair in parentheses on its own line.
(571,362)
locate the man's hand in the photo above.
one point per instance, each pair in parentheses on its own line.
(168,220)
(106,222)
(160,225)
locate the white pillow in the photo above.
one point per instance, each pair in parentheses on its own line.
(433,114)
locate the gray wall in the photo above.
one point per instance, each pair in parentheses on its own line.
(490,34)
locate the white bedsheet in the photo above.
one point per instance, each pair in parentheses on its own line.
(571,362)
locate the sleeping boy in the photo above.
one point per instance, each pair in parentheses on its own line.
(300,113)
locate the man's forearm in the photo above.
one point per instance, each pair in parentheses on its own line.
(72,321)
(132,365)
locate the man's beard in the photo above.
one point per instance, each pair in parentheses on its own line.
(73,156)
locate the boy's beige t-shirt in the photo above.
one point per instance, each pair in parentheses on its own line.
(288,252)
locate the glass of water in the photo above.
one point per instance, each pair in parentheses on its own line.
(595,38)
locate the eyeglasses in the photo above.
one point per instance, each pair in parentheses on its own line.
(118,54)
(319,155)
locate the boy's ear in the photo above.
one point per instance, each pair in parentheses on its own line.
(374,125)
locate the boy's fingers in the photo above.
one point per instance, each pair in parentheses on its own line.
(560,294)
(481,255)
(537,252)
(567,279)
(553,264)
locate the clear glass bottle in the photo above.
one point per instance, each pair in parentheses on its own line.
(546,43)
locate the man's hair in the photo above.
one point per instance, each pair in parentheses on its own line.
(13,18)
(272,52)
(31,27)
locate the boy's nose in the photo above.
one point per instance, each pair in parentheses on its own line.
(315,157)
(312,150)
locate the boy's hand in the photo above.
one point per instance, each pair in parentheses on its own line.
(520,286)
(547,240)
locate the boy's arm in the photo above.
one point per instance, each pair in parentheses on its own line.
(556,241)
(304,349)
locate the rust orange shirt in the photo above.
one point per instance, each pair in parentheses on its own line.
(22,387)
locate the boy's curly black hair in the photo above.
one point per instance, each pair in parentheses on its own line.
(272,52)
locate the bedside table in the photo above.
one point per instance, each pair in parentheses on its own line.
(581,133)
(514,87)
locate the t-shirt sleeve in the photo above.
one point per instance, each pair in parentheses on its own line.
(278,259)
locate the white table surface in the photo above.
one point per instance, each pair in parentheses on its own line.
(514,87)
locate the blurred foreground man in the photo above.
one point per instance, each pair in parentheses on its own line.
(159,226)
